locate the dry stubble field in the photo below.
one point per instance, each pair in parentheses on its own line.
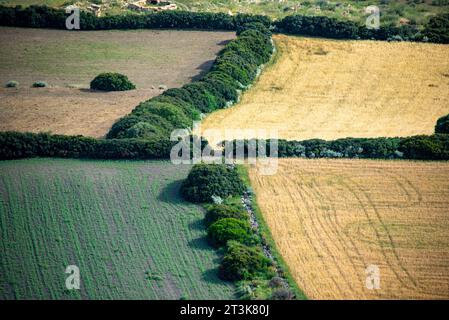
(331,89)
(68,61)
(331,219)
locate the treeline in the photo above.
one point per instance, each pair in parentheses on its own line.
(15,145)
(234,69)
(46,17)
(436,30)
(433,147)
(319,26)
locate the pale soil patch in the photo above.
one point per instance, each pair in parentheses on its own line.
(68,61)
(331,219)
(332,89)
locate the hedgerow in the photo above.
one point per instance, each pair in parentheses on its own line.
(15,145)
(434,147)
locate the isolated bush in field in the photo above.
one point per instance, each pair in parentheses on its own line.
(12,84)
(40,84)
(111,82)
(207,180)
(241,262)
(442,125)
(220,211)
(223,230)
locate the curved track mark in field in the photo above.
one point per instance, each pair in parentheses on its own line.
(302,192)
(341,237)
(288,183)
(387,232)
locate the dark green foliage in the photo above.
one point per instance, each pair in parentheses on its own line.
(173,114)
(241,262)
(437,29)
(220,211)
(207,180)
(321,26)
(111,82)
(265,29)
(382,148)
(435,147)
(442,125)
(223,230)
(15,145)
(120,129)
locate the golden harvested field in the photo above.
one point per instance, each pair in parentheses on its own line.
(331,219)
(332,89)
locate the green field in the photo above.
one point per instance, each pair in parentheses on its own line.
(122,223)
(415,11)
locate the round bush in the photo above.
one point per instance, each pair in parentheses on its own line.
(207,180)
(40,84)
(12,84)
(221,211)
(111,82)
(245,263)
(223,230)
(442,125)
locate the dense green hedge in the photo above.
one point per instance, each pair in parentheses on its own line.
(321,26)
(434,147)
(111,82)
(436,30)
(14,145)
(45,17)
(205,181)
(234,69)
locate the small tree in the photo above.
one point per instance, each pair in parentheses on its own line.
(111,82)
(442,125)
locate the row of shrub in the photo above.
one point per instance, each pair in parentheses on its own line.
(434,147)
(15,145)
(436,30)
(46,17)
(234,69)
(321,26)
(229,229)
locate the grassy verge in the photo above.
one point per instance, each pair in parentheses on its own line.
(266,234)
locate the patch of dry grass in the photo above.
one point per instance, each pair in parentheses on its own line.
(333,89)
(331,219)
